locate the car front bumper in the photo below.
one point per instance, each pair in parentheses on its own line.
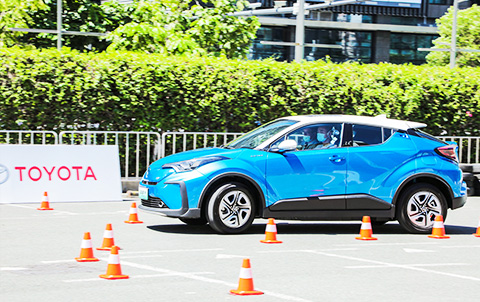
(185,211)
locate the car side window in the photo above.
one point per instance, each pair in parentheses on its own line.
(316,136)
(387,132)
(366,135)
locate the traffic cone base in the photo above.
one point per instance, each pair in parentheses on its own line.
(114,271)
(114,277)
(133,217)
(438,230)
(246,293)
(271,232)
(366,230)
(45,206)
(87,259)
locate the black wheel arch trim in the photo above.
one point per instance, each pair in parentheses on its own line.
(233,174)
(450,198)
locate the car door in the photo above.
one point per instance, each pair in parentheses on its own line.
(309,178)
(374,155)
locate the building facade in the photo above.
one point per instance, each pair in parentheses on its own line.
(369,32)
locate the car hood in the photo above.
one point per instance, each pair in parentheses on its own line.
(205,152)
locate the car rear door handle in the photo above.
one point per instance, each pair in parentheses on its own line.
(336,158)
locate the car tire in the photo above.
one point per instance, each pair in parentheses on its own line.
(231,208)
(418,206)
(194,221)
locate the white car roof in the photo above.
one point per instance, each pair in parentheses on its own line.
(379,120)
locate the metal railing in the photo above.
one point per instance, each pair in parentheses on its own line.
(137,150)
(28,137)
(468,148)
(174,142)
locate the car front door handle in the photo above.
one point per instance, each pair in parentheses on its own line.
(336,158)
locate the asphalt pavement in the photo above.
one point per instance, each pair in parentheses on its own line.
(167,260)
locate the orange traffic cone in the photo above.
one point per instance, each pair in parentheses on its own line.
(271,232)
(366,229)
(86,253)
(108,241)
(477,234)
(438,231)
(114,271)
(45,205)
(133,218)
(245,284)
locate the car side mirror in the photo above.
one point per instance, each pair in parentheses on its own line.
(287,145)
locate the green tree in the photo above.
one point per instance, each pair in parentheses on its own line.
(177,27)
(468,36)
(78,15)
(15,13)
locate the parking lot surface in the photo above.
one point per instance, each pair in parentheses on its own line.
(167,260)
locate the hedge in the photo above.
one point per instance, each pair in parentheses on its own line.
(138,92)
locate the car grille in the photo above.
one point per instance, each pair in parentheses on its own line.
(154,202)
(150,183)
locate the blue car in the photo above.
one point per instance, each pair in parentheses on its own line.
(315,167)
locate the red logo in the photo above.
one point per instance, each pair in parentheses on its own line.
(51,173)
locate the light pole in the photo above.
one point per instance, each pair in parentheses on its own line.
(453,45)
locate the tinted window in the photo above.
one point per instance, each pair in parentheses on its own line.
(387,132)
(317,136)
(366,135)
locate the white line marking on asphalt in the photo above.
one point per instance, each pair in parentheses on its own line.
(193,276)
(298,251)
(387,244)
(418,251)
(134,277)
(57,261)
(13,268)
(20,206)
(394,265)
(410,265)
(173,251)
(460,246)
(223,256)
(141,256)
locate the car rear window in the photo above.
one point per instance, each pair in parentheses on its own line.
(428,136)
(366,135)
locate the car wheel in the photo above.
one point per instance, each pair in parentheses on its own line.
(194,221)
(418,207)
(231,209)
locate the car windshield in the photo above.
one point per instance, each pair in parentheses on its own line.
(257,136)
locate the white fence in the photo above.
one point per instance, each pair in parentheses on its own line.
(468,148)
(137,150)
(174,142)
(29,137)
(140,149)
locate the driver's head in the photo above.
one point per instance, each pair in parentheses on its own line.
(309,134)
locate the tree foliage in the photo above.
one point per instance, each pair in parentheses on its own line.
(177,27)
(468,36)
(15,14)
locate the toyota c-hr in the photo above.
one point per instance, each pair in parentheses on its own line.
(317,167)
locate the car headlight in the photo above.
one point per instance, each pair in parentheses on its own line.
(192,164)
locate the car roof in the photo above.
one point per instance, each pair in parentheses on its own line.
(379,120)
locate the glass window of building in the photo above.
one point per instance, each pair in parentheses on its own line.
(403,48)
(354,46)
(260,51)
